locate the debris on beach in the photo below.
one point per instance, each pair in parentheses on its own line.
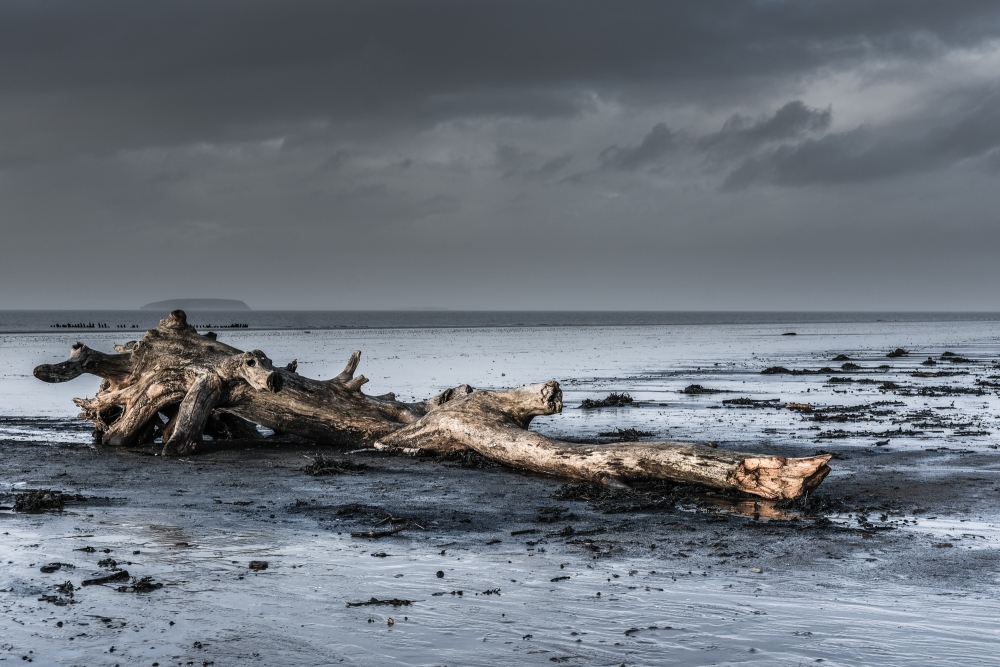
(143,585)
(394,602)
(747,402)
(42,500)
(781,370)
(697,389)
(837,434)
(898,352)
(853,413)
(65,596)
(376,534)
(114,577)
(324,466)
(612,400)
(53,567)
(258,565)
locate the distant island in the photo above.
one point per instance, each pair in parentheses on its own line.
(197,304)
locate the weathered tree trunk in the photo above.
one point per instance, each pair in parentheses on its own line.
(179,385)
(494,423)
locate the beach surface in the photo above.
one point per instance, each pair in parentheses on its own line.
(894,560)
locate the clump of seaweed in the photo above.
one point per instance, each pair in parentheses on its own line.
(324,466)
(697,389)
(612,400)
(42,500)
(898,352)
(746,402)
(781,370)
(66,595)
(144,585)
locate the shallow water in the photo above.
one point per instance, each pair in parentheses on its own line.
(863,605)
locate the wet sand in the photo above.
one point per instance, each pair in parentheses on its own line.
(893,561)
(576,584)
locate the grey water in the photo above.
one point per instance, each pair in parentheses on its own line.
(38,321)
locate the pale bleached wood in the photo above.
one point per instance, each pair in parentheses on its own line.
(495,423)
(177,384)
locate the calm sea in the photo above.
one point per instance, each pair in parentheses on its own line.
(43,321)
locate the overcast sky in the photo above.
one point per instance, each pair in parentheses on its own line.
(501,155)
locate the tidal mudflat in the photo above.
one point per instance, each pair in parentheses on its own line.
(892,561)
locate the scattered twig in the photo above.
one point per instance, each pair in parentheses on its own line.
(375,534)
(395,602)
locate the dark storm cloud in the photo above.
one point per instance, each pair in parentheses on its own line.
(101,75)
(655,145)
(741,133)
(740,136)
(376,151)
(866,154)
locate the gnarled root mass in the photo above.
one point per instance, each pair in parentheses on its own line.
(178,385)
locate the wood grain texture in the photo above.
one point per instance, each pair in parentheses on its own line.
(178,385)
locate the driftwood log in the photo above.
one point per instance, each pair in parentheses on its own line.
(177,385)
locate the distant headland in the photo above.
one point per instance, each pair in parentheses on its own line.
(197,304)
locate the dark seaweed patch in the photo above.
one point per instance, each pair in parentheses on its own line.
(781,370)
(394,602)
(626,435)
(43,500)
(746,402)
(612,400)
(697,389)
(143,585)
